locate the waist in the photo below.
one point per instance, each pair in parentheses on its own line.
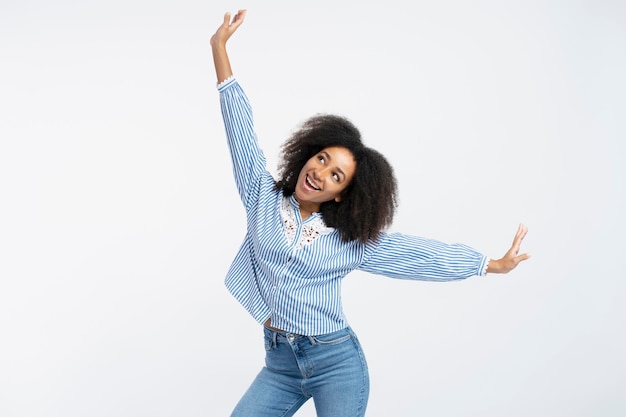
(273,338)
(268,324)
(270,330)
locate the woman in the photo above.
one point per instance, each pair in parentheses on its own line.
(323,218)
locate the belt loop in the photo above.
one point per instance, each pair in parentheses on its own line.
(274,334)
(312,340)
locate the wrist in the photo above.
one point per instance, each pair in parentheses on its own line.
(494,266)
(218,46)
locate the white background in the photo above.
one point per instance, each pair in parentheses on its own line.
(119,215)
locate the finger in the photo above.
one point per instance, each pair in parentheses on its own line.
(517,241)
(522,257)
(238,19)
(241,13)
(226,21)
(519,235)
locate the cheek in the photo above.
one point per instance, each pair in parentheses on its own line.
(338,189)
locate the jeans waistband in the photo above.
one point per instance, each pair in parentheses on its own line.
(286,337)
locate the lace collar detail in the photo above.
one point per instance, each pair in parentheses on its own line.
(312,228)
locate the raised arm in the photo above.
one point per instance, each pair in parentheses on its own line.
(246,155)
(218,44)
(512,257)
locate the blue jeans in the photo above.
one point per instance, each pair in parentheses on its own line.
(331,368)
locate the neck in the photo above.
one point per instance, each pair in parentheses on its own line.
(305,213)
(306,209)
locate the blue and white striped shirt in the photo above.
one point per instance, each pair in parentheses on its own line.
(295,280)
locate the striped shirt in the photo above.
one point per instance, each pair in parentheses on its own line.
(289,269)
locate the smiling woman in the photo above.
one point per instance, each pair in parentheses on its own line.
(325,217)
(367,197)
(324,178)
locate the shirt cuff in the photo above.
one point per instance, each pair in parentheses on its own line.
(483,266)
(224,84)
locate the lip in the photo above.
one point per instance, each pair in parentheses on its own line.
(310,184)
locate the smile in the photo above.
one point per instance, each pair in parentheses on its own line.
(310,184)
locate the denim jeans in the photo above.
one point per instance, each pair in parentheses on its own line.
(330,368)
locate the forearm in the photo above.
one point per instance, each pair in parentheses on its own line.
(222,64)
(403,256)
(247,157)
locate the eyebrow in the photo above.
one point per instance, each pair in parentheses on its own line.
(327,156)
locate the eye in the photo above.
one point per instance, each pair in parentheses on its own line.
(336,177)
(321,159)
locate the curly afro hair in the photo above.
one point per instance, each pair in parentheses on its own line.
(368,204)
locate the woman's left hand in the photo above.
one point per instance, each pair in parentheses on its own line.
(512,257)
(227,28)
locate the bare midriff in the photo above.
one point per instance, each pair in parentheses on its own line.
(269,326)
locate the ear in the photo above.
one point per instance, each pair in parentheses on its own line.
(338,199)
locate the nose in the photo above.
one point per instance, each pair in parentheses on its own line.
(317,174)
(321,173)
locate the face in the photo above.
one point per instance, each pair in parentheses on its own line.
(324,177)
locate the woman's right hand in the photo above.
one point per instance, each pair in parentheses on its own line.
(227,28)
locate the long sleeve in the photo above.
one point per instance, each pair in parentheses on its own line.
(248,161)
(403,256)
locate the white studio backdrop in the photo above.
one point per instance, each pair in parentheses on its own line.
(119,215)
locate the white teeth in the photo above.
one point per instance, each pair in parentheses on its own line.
(311,184)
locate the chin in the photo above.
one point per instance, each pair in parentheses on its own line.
(298,195)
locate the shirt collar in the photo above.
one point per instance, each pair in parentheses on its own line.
(296,205)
